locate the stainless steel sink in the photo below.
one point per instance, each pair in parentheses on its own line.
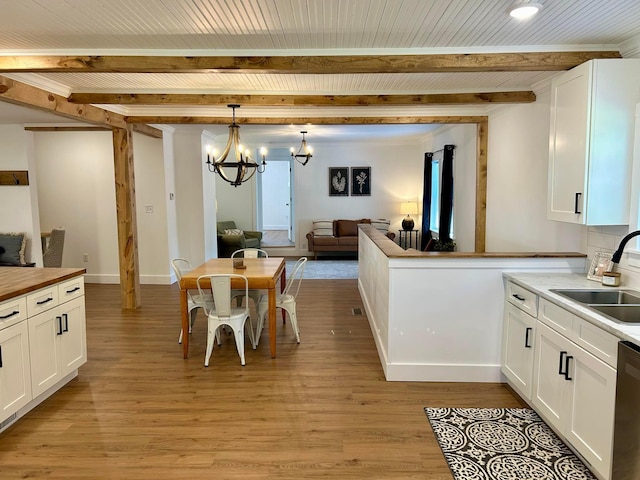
(601,297)
(620,313)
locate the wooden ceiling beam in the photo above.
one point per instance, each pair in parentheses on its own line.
(321,64)
(19,93)
(302,100)
(307,120)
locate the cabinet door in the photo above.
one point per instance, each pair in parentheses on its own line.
(589,427)
(517,348)
(73,345)
(549,394)
(15,374)
(44,330)
(570,113)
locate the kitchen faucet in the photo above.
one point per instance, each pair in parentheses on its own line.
(615,259)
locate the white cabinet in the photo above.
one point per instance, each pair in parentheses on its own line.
(564,367)
(42,344)
(575,392)
(15,373)
(57,343)
(517,348)
(591,142)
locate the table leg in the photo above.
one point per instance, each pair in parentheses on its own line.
(283,284)
(184,317)
(272,321)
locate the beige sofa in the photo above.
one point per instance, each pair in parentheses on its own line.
(341,235)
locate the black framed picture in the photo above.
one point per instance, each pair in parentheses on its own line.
(338,181)
(360,181)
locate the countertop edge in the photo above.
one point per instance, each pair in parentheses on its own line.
(541,284)
(19,281)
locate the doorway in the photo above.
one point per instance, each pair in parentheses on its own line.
(275,201)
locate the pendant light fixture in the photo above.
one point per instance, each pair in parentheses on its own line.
(304,152)
(243,168)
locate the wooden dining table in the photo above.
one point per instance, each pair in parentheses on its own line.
(261,273)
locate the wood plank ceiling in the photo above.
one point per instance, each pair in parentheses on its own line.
(280,56)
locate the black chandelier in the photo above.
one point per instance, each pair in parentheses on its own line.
(304,152)
(244,167)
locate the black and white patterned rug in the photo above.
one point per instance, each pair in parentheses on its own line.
(503,444)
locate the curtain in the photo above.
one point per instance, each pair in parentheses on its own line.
(425,233)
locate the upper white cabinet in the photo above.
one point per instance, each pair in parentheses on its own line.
(591,142)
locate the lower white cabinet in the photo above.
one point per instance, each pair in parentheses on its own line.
(575,392)
(517,348)
(42,344)
(57,343)
(15,372)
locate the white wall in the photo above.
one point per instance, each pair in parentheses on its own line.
(77,191)
(518,153)
(18,204)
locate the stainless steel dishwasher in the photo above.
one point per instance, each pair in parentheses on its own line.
(626,434)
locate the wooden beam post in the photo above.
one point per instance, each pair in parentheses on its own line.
(126,217)
(482,134)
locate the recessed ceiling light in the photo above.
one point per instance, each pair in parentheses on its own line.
(524,11)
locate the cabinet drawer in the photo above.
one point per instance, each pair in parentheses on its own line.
(556,317)
(13,311)
(596,341)
(71,289)
(42,300)
(522,298)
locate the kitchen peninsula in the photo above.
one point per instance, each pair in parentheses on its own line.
(438,316)
(42,335)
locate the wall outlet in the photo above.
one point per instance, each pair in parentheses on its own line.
(148,208)
(85,257)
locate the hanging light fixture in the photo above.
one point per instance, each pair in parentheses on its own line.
(243,168)
(304,152)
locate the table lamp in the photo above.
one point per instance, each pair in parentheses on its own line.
(408,208)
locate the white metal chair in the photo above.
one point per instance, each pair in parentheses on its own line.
(285,300)
(250,253)
(194,301)
(224,313)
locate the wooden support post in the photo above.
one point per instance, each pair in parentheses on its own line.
(482,134)
(126,217)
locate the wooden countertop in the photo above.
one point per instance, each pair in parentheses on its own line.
(15,281)
(393,250)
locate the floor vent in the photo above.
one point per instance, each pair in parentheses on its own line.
(356,311)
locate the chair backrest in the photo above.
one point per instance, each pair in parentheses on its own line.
(221,291)
(225,225)
(295,279)
(180,265)
(52,257)
(250,253)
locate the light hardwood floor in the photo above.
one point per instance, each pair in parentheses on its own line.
(322,409)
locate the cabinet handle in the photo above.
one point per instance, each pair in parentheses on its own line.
(66,322)
(528,330)
(0,356)
(16,312)
(566,368)
(518,297)
(560,372)
(59,319)
(45,301)
(73,290)
(577,204)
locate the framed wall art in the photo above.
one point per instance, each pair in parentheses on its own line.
(360,181)
(338,181)
(601,263)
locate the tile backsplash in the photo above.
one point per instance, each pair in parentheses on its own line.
(607,239)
